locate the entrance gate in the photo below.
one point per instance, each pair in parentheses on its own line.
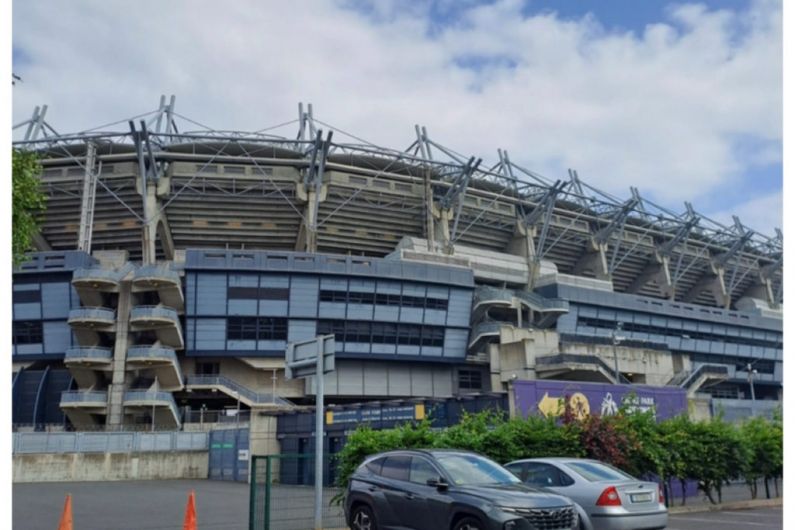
(229,455)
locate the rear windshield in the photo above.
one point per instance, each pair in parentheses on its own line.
(597,472)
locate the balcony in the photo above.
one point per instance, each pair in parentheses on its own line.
(106,280)
(84,398)
(164,321)
(544,312)
(89,356)
(96,318)
(162,404)
(485,331)
(162,279)
(161,361)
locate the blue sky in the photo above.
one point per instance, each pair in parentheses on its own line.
(680,99)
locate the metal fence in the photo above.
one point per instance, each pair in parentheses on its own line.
(282,494)
(108,442)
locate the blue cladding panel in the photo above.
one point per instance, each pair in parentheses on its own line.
(211,294)
(210,333)
(332,310)
(190,296)
(243,280)
(357,347)
(272,345)
(459,307)
(386,313)
(55,300)
(31,311)
(303,296)
(242,307)
(455,343)
(57,337)
(435,316)
(273,308)
(190,326)
(411,314)
(408,350)
(29,349)
(360,312)
(362,286)
(334,284)
(388,287)
(383,348)
(301,330)
(247,345)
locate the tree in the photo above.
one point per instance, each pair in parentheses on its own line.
(27,202)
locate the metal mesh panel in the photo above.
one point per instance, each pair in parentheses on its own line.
(282,493)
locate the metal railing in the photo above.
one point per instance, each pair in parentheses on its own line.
(152,352)
(717,370)
(537,302)
(561,358)
(92,313)
(160,272)
(89,353)
(108,442)
(217,416)
(96,273)
(149,398)
(153,311)
(84,396)
(236,389)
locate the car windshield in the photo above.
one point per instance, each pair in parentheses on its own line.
(598,472)
(466,470)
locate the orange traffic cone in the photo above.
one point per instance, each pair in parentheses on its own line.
(66,516)
(190,513)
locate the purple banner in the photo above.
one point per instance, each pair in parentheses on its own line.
(546,398)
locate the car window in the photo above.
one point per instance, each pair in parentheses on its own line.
(375,465)
(421,471)
(598,472)
(396,467)
(516,469)
(466,469)
(546,475)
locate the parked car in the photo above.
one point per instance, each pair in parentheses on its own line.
(448,490)
(605,497)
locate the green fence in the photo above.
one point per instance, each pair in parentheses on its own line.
(282,493)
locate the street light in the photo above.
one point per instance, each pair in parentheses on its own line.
(616,339)
(751,373)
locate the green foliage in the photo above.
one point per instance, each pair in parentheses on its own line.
(711,452)
(27,202)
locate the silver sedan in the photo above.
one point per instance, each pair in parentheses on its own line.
(606,497)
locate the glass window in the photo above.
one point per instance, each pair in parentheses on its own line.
(396,467)
(516,469)
(28,332)
(467,469)
(598,472)
(375,466)
(422,471)
(543,475)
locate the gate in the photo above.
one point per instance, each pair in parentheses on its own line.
(282,493)
(229,455)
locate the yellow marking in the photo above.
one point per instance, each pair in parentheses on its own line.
(419,411)
(329,417)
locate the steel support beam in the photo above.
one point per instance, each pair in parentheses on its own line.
(88,199)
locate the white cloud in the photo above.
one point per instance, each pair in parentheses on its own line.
(763,211)
(658,110)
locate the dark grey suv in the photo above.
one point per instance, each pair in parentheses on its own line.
(448,490)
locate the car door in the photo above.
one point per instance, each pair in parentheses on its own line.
(429,506)
(397,493)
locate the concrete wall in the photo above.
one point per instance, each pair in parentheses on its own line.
(77,467)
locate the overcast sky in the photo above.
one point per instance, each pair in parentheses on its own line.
(683,101)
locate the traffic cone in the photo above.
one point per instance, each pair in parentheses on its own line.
(190,513)
(66,516)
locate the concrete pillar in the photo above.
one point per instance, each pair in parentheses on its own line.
(594,260)
(523,244)
(441,228)
(118,378)
(149,236)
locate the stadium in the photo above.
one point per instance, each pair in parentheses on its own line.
(175,263)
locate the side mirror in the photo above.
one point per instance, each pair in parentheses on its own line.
(440,483)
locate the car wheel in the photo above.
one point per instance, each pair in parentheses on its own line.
(468,523)
(363,518)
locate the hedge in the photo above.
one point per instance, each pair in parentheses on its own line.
(710,452)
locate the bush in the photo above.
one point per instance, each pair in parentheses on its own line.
(710,452)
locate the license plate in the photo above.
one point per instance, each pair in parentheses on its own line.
(640,497)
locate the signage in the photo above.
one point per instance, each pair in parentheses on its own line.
(401,413)
(548,398)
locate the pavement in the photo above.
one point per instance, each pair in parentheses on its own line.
(770,518)
(160,505)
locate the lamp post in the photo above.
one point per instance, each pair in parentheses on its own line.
(751,373)
(616,339)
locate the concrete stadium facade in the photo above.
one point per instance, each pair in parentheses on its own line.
(173,268)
